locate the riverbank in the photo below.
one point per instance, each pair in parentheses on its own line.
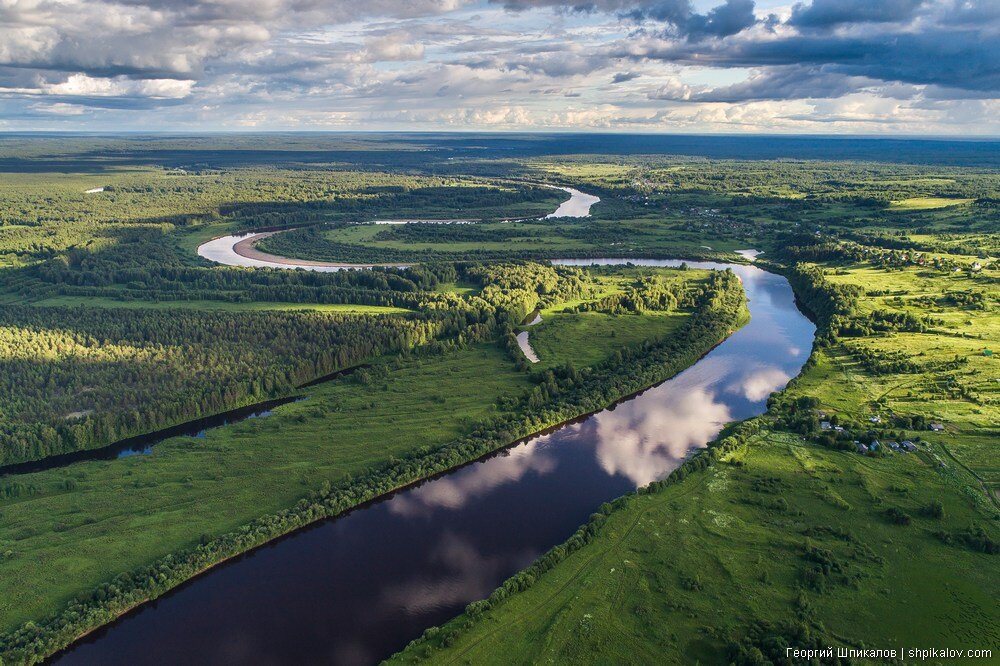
(127,591)
(101,518)
(247,248)
(241,250)
(774,539)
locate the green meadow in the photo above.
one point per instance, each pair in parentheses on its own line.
(585,338)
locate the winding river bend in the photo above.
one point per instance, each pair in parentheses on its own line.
(355,589)
(241,250)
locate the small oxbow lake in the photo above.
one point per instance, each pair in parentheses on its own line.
(357,588)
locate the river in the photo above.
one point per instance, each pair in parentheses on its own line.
(240,249)
(355,589)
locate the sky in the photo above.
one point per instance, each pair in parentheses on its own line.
(886,67)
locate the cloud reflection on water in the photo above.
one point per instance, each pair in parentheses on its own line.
(456,572)
(759,382)
(643,444)
(452,492)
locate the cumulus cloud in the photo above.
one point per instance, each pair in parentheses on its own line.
(822,65)
(624,77)
(395,46)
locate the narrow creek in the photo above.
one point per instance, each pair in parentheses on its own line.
(143,444)
(355,589)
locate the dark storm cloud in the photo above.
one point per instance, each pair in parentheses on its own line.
(951,45)
(828,13)
(623,77)
(929,51)
(790,82)
(728,18)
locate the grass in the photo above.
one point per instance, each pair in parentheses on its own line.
(650,232)
(965,398)
(104,302)
(125,513)
(677,573)
(587,338)
(460,288)
(928,203)
(534,238)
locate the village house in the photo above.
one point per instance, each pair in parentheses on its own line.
(937,427)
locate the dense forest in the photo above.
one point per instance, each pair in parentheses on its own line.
(76,378)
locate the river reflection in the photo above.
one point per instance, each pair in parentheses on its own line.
(355,589)
(643,445)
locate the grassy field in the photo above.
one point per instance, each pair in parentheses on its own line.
(586,338)
(533,237)
(75,527)
(104,302)
(952,380)
(928,203)
(678,573)
(460,288)
(653,232)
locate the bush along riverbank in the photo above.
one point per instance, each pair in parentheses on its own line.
(558,397)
